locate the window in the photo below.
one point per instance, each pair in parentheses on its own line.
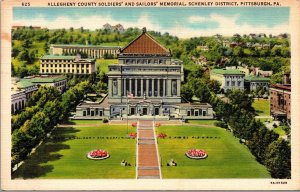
(227,83)
(189,113)
(233,83)
(55,65)
(239,83)
(42,70)
(174,87)
(115,87)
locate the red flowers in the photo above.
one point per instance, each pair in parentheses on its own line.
(196,154)
(132,135)
(161,135)
(157,124)
(99,153)
(134,124)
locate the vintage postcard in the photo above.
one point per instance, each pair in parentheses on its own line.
(150,95)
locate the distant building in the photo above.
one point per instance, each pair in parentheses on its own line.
(92,51)
(22,89)
(253,82)
(58,81)
(229,78)
(280,101)
(14,27)
(58,64)
(117,27)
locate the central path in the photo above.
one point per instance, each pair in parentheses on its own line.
(148,165)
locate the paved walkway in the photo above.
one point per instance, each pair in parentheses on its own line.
(148,165)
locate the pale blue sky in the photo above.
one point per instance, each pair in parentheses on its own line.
(178,21)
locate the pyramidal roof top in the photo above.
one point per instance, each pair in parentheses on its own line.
(145,44)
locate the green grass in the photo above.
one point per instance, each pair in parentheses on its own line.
(262,107)
(203,122)
(86,122)
(227,158)
(279,130)
(102,64)
(66,158)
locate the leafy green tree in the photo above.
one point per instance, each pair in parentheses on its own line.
(187,92)
(278,159)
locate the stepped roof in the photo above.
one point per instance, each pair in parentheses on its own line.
(145,44)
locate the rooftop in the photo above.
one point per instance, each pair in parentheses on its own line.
(43,79)
(227,71)
(256,78)
(84,46)
(58,57)
(145,44)
(282,86)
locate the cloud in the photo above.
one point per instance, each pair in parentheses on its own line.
(198,19)
(226,25)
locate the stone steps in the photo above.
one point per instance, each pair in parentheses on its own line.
(149,177)
(146,142)
(148,168)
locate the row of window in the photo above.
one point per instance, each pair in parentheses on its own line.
(96,112)
(63,71)
(64,65)
(196,112)
(145,61)
(237,77)
(233,83)
(60,83)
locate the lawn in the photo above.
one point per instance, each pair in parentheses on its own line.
(262,107)
(102,64)
(202,122)
(64,157)
(227,158)
(86,122)
(279,130)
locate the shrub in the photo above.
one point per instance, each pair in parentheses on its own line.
(221,124)
(105,120)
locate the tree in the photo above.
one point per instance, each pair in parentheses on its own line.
(278,159)
(186,92)
(202,92)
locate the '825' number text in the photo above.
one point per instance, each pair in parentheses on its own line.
(25,4)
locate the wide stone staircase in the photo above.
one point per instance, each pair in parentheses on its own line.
(148,165)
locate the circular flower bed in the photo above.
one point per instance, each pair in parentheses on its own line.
(161,135)
(157,124)
(134,124)
(196,154)
(132,135)
(98,154)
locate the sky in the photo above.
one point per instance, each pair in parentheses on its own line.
(183,22)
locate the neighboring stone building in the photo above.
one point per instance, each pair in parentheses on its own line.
(21,91)
(145,82)
(58,81)
(92,51)
(253,82)
(229,78)
(57,64)
(280,101)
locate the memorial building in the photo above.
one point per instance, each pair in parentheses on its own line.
(145,82)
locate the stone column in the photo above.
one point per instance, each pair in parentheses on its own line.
(135,91)
(168,87)
(119,87)
(158,87)
(164,87)
(142,87)
(147,87)
(124,88)
(178,87)
(152,87)
(130,90)
(110,87)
